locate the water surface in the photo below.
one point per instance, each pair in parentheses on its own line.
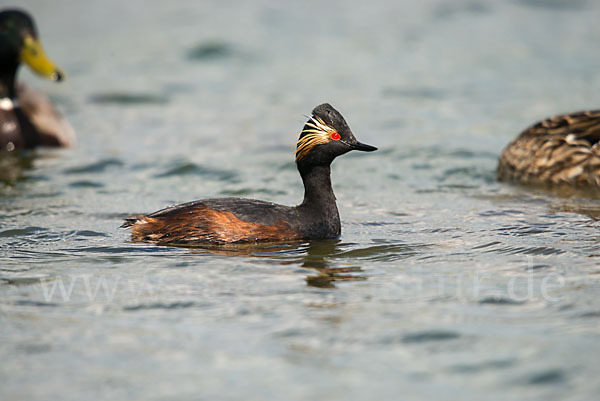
(445,284)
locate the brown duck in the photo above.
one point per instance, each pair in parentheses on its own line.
(561,150)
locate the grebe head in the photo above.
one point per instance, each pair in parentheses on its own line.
(325,136)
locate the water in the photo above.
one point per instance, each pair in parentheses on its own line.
(444,285)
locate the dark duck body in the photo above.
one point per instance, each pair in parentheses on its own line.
(27,119)
(558,151)
(325,136)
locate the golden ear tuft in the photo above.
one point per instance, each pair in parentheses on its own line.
(318,134)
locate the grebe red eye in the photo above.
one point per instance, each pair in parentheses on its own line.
(335,136)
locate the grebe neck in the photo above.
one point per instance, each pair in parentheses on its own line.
(318,192)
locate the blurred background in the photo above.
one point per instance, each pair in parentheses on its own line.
(445,284)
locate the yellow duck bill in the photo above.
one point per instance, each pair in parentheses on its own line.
(34,56)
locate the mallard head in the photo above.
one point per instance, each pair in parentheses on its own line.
(19,43)
(325,136)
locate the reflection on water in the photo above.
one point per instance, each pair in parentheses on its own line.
(318,256)
(314,255)
(13,166)
(584,201)
(333,260)
(589,208)
(563,191)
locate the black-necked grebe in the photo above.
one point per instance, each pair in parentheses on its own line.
(560,150)
(27,119)
(325,136)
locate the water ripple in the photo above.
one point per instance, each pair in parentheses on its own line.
(27,302)
(97,167)
(555,4)
(182,168)
(430,335)
(208,51)
(160,305)
(499,300)
(381,252)
(550,376)
(479,367)
(520,250)
(22,232)
(124,98)
(86,184)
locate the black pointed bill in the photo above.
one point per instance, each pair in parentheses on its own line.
(361,146)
